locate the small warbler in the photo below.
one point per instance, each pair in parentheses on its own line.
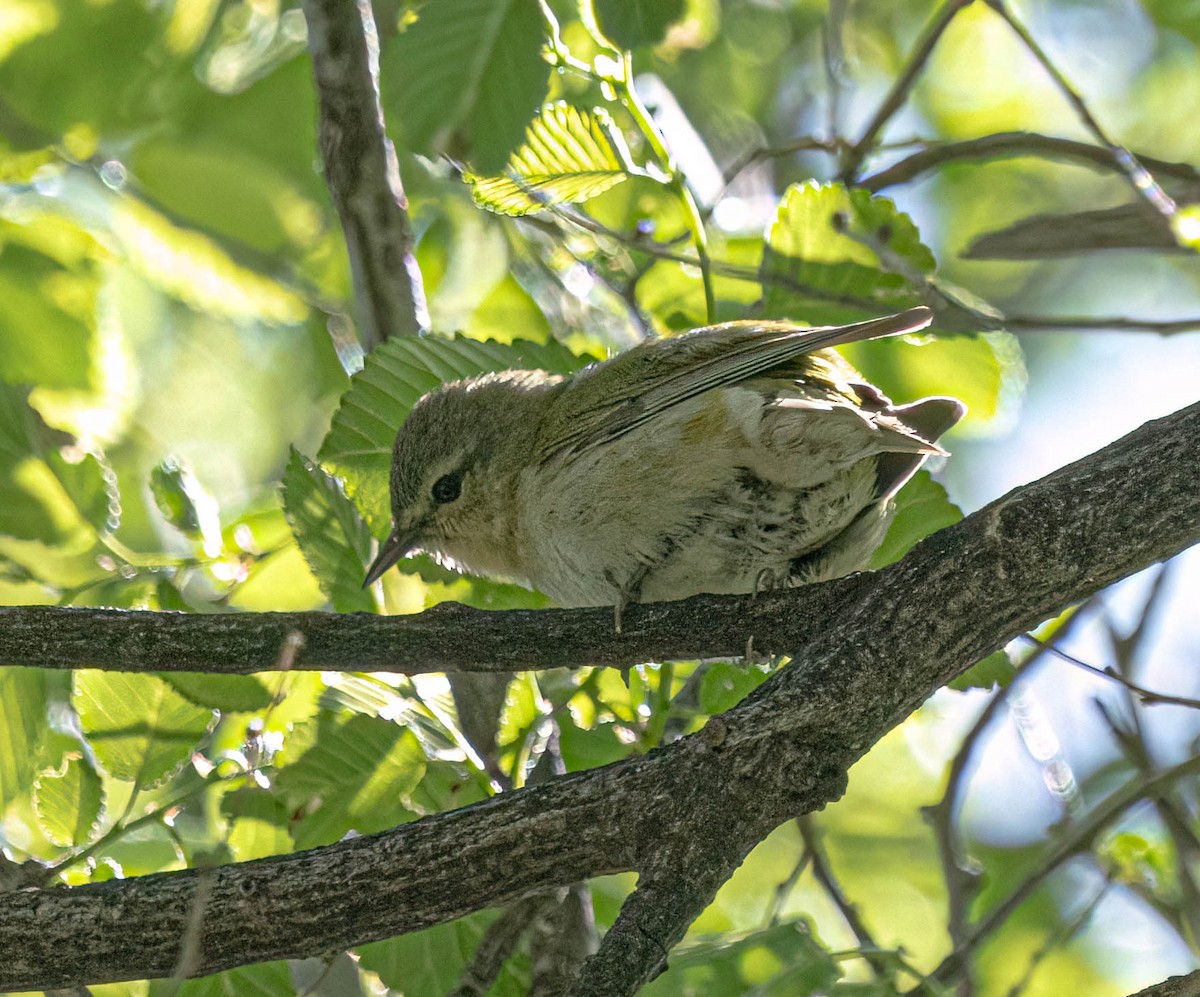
(724,460)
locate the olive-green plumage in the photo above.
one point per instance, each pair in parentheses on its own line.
(731,457)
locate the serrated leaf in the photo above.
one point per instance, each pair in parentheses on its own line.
(354,776)
(22,721)
(333,537)
(995,670)
(227,693)
(569,155)
(922,508)
(630,24)
(140,728)
(467,74)
(68,802)
(359,445)
(829,245)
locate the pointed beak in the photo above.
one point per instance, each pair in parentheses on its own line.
(392,549)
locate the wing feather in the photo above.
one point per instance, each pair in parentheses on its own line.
(657,375)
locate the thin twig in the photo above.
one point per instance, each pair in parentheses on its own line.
(823,874)
(1005,145)
(1148,696)
(1053,323)
(1139,177)
(901,88)
(1076,840)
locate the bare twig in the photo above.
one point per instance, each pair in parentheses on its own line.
(1006,145)
(1074,841)
(361,169)
(1139,177)
(1051,323)
(1147,696)
(823,874)
(901,88)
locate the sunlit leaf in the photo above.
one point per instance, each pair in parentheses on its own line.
(359,445)
(196,270)
(996,670)
(334,539)
(630,24)
(258,823)
(48,321)
(836,255)
(22,721)
(467,75)
(569,155)
(139,727)
(68,802)
(354,776)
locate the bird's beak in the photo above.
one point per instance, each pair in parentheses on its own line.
(391,550)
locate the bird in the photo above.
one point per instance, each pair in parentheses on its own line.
(729,459)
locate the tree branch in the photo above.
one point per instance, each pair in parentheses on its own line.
(361,169)
(699,804)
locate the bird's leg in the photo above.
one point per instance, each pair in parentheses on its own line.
(764,581)
(626,593)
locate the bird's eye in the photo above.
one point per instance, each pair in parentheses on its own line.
(447,488)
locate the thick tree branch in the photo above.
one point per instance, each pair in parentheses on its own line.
(1175,986)
(361,169)
(700,803)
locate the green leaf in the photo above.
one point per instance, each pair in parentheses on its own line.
(68,802)
(922,508)
(781,961)
(568,156)
(994,670)
(727,683)
(829,246)
(258,823)
(32,504)
(630,24)
(227,693)
(22,721)
(91,484)
(359,445)
(140,728)
(356,773)
(48,322)
(333,537)
(467,74)
(267,979)
(432,961)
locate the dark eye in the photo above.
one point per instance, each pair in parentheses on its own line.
(447,488)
